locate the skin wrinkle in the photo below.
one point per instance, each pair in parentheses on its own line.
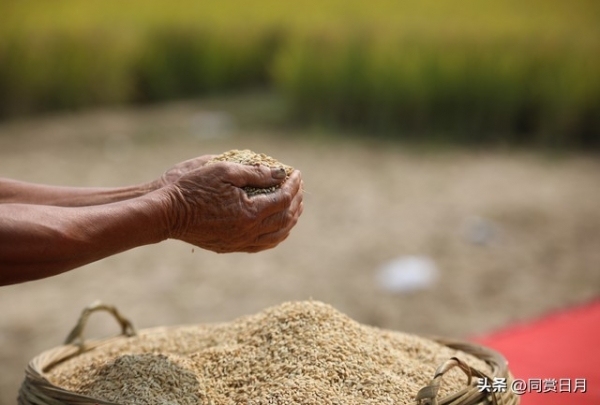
(204,205)
(162,213)
(239,214)
(285,217)
(179,210)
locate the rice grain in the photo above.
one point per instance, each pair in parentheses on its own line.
(294,353)
(250,158)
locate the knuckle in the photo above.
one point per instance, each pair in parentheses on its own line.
(222,169)
(250,214)
(290,217)
(294,220)
(286,199)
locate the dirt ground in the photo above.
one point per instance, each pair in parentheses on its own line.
(365,204)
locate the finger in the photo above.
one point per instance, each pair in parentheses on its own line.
(258,176)
(282,230)
(194,163)
(300,208)
(270,240)
(267,243)
(202,160)
(282,219)
(293,182)
(189,164)
(280,199)
(277,221)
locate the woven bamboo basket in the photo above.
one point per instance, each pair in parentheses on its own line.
(36,389)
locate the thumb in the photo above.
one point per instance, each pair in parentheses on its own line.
(257,176)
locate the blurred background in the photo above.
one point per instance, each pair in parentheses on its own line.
(449,152)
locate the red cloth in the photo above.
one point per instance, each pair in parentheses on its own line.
(564,346)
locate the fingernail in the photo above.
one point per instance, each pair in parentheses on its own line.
(278,173)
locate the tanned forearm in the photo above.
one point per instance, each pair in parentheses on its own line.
(38,241)
(14,192)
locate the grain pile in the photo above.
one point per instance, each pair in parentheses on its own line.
(140,379)
(247,157)
(295,353)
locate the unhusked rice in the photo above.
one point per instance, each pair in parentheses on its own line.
(294,353)
(250,158)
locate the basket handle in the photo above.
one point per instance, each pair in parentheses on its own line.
(428,395)
(76,335)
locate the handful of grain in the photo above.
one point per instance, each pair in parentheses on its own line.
(247,157)
(294,353)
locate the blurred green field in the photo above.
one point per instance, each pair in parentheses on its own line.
(517,72)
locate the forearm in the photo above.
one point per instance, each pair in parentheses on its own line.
(38,241)
(15,192)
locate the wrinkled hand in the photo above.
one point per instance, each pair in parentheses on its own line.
(175,172)
(210,210)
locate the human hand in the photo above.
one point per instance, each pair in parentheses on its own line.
(178,170)
(209,209)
